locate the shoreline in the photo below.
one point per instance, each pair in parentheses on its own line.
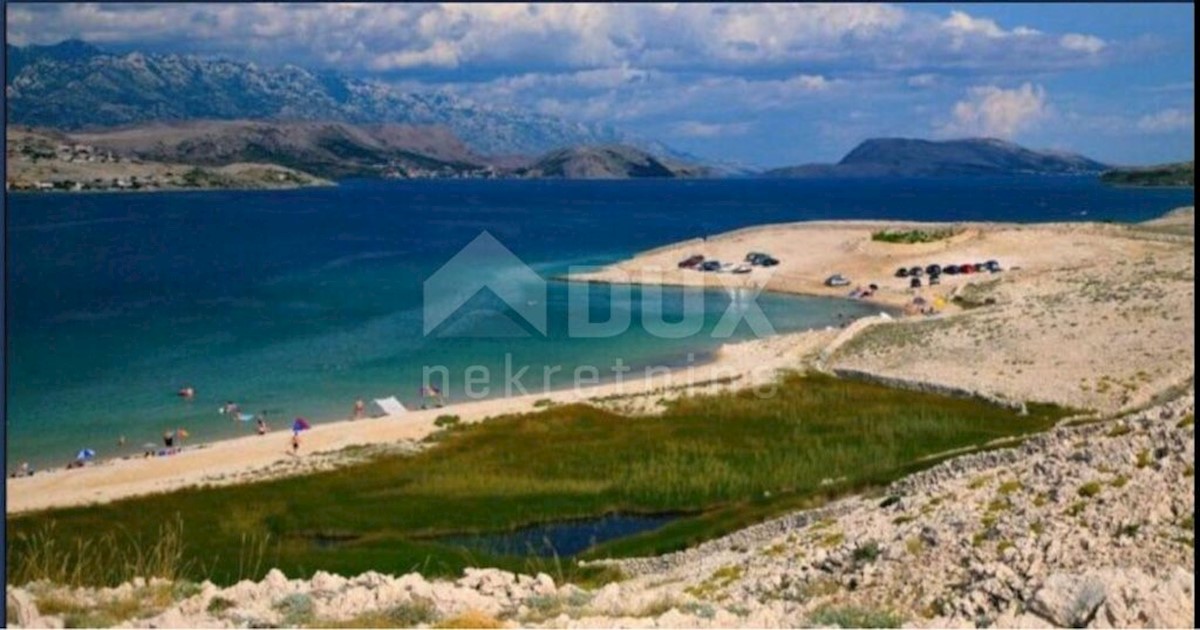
(253,457)
(1059,282)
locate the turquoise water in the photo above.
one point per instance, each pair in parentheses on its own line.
(299,302)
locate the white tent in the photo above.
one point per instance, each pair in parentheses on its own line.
(390,406)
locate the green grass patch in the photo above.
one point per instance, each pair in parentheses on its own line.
(914,236)
(1090,489)
(725,461)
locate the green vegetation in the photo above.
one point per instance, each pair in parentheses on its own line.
(407,615)
(914,236)
(1177,174)
(1090,489)
(724,461)
(852,617)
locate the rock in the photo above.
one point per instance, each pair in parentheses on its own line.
(544,585)
(1069,600)
(24,611)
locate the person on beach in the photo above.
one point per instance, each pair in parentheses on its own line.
(296,443)
(262,424)
(359,408)
(168,439)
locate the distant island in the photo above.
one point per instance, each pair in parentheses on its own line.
(910,157)
(1175,174)
(609,162)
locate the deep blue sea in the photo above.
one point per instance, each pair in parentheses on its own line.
(298,302)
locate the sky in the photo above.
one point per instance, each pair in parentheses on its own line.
(757,84)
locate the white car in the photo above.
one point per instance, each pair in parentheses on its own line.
(836,280)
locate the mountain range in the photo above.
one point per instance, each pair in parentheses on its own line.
(74,85)
(210,111)
(909,157)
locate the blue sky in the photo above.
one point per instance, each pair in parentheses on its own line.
(761,84)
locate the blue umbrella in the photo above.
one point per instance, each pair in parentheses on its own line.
(86,453)
(300,424)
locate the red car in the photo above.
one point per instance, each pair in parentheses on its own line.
(691,262)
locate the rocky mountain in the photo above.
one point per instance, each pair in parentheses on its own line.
(74,85)
(608,162)
(1177,174)
(908,157)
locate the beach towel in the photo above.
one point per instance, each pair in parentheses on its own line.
(390,406)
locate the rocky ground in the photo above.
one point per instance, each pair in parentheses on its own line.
(1084,526)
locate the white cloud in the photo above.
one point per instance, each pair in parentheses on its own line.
(697,129)
(922,80)
(995,112)
(1083,43)
(960,22)
(1166,121)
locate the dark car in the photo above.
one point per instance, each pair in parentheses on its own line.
(950,270)
(915,283)
(902,272)
(754,257)
(992,266)
(766,261)
(935,279)
(691,261)
(916,272)
(933,270)
(710,265)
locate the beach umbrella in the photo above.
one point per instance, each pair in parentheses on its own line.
(300,424)
(86,453)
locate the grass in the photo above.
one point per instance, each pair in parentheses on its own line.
(1090,489)
(410,614)
(854,617)
(914,236)
(726,461)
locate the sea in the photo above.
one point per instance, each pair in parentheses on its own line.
(296,303)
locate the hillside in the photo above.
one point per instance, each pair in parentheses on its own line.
(332,150)
(1176,174)
(608,162)
(906,157)
(74,86)
(49,161)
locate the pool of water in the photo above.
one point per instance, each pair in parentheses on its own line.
(563,538)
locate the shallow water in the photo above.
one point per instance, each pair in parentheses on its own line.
(562,539)
(298,302)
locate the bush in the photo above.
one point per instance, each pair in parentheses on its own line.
(914,236)
(1089,489)
(218,605)
(446,420)
(866,552)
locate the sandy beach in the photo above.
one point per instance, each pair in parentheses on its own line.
(1094,316)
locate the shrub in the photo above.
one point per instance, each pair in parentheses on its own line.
(471,619)
(1089,489)
(446,420)
(1009,487)
(914,236)
(218,605)
(866,552)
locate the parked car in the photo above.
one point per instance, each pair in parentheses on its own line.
(992,266)
(935,279)
(691,262)
(915,283)
(950,270)
(966,269)
(916,272)
(836,280)
(933,270)
(754,257)
(902,272)
(710,265)
(742,268)
(767,261)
